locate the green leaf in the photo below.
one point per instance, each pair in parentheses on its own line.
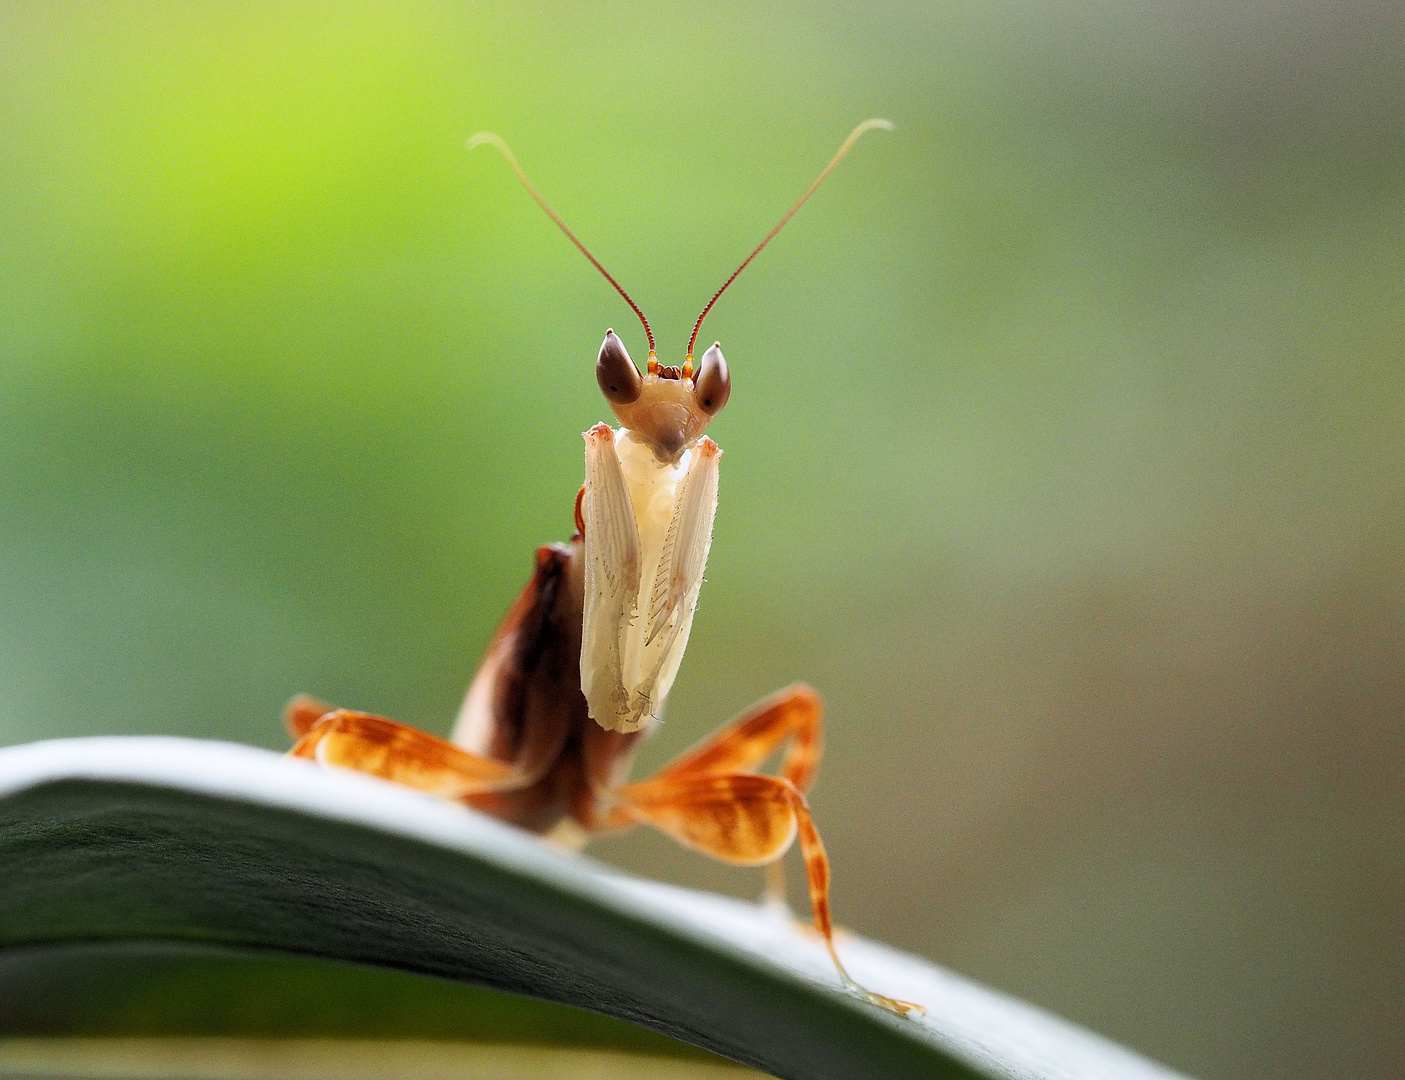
(207,890)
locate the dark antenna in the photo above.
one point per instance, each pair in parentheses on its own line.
(844,149)
(508,156)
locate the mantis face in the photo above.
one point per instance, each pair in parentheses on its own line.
(669,407)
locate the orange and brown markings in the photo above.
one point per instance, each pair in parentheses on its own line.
(406,755)
(302,712)
(709,799)
(794,713)
(740,818)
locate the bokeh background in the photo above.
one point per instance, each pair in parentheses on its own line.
(1064,453)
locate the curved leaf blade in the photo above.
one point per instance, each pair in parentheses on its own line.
(152,839)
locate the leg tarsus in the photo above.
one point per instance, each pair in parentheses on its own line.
(897,1005)
(817,875)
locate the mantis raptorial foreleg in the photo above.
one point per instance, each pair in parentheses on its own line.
(648,528)
(611,579)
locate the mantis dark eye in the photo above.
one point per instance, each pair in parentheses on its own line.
(713,385)
(615,372)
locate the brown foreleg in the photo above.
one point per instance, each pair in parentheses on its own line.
(746,820)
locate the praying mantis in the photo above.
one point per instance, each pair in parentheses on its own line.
(579,669)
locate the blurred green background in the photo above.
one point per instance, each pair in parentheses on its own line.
(1063,457)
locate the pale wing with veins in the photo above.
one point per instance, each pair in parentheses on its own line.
(627,674)
(611,578)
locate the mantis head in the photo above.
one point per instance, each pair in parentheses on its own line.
(668,407)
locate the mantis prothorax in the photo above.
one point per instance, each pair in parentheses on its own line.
(579,669)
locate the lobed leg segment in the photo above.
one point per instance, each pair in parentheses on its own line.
(706,800)
(740,746)
(794,714)
(398,752)
(746,820)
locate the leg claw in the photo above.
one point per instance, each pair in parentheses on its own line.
(893,1005)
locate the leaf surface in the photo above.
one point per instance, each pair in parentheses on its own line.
(143,844)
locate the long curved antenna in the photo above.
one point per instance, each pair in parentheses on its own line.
(867,125)
(502,148)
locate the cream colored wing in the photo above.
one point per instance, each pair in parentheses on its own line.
(611,579)
(653,656)
(689,537)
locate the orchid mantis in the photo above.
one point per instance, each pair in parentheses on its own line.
(579,670)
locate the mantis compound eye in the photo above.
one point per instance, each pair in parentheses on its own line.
(619,379)
(713,385)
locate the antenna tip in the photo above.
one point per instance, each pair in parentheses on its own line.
(876,122)
(483,137)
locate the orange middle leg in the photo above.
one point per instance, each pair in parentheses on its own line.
(394,751)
